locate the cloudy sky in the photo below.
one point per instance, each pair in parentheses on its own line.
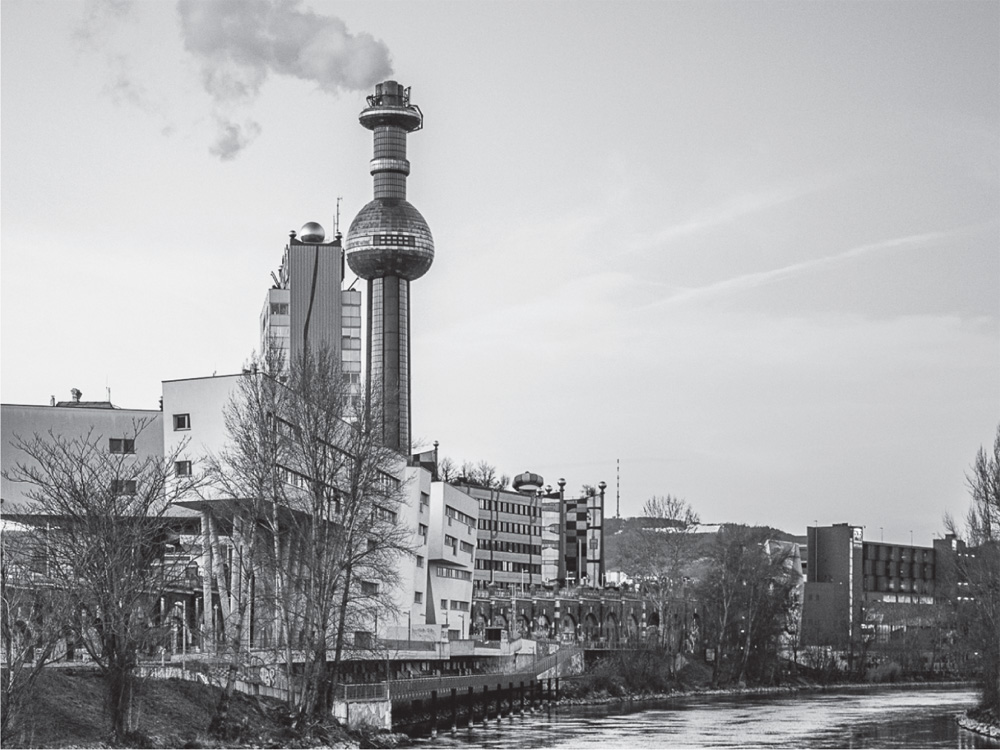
(748,249)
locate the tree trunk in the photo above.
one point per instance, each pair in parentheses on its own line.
(339,646)
(208,612)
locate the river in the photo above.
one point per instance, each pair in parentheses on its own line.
(880,717)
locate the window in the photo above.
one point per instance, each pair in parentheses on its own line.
(182,468)
(372,545)
(279,308)
(444,604)
(368,588)
(420,561)
(418,597)
(182,421)
(463,575)
(423,532)
(123,486)
(121,445)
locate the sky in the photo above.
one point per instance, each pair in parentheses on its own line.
(743,253)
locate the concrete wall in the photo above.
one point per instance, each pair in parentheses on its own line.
(73,422)
(450,568)
(203,400)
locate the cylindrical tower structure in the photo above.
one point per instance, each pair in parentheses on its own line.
(389,244)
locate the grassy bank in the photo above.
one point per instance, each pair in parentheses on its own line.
(68,711)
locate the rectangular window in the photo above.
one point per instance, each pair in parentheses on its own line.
(368,588)
(444,604)
(279,308)
(182,421)
(182,468)
(420,561)
(123,486)
(418,597)
(121,445)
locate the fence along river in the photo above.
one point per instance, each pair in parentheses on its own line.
(874,718)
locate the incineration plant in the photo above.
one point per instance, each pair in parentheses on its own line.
(389,245)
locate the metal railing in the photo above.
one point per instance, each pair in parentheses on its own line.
(421,688)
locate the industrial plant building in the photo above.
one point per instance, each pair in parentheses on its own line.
(857,589)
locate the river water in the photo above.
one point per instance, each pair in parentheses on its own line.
(863,718)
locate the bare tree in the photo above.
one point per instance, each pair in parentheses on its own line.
(482,474)
(658,556)
(32,624)
(447,470)
(243,481)
(343,519)
(305,458)
(978,570)
(745,595)
(100,524)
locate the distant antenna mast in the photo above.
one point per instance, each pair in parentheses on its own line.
(336,220)
(618,488)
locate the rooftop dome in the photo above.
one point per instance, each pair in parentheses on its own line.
(312,232)
(528,482)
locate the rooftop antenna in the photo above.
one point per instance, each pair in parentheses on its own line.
(336,220)
(618,488)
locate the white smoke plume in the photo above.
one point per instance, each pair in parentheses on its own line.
(240,42)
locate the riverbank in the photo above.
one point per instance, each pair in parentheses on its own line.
(980,724)
(602,698)
(67,710)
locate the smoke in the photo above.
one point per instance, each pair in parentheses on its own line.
(232,138)
(239,43)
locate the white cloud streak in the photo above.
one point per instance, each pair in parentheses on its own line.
(761,278)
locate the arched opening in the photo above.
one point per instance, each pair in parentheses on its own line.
(568,626)
(591,628)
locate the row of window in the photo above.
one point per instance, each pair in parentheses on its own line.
(501,545)
(503,506)
(462,575)
(459,516)
(509,527)
(508,566)
(455,605)
(394,239)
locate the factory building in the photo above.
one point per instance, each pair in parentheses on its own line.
(853,585)
(529,536)
(307,307)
